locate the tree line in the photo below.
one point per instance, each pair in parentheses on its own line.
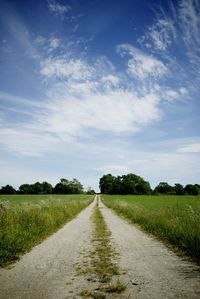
(108,184)
(65,186)
(134,184)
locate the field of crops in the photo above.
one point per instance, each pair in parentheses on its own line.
(26,220)
(173,219)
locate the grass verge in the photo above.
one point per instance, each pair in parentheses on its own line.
(173,219)
(26,222)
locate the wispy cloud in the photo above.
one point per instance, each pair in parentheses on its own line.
(54,43)
(62,67)
(141,65)
(178,28)
(160,35)
(190,148)
(58,9)
(9,98)
(27,141)
(90,96)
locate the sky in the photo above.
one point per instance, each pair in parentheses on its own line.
(99,86)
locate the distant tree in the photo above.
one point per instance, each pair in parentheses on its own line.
(179,189)
(90,191)
(68,187)
(164,188)
(125,184)
(143,188)
(106,184)
(37,188)
(25,189)
(134,184)
(192,189)
(59,189)
(65,182)
(7,190)
(117,185)
(198,187)
(75,187)
(47,188)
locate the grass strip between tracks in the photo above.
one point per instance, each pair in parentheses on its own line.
(103,260)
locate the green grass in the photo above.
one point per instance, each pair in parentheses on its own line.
(103,254)
(26,220)
(174,219)
(103,262)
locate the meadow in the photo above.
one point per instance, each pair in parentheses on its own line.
(173,219)
(26,220)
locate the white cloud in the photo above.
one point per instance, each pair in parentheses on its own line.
(54,43)
(189,11)
(27,141)
(183,91)
(5,97)
(141,65)
(160,35)
(177,28)
(58,9)
(190,148)
(88,96)
(40,41)
(110,79)
(75,69)
(115,111)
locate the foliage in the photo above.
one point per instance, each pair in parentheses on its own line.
(192,189)
(90,191)
(175,219)
(125,184)
(7,190)
(63,187)
(164,188)
(179,189)
(68,187)
(37,188)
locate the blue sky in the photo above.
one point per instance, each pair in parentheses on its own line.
(95,87)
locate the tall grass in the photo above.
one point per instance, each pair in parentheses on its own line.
(175,219)
(25,220)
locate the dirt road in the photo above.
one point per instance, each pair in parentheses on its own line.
(148,268)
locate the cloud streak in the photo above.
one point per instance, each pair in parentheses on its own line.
(141,65)
(58,9)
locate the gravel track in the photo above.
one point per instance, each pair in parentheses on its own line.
(148,268)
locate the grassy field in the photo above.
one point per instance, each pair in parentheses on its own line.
(174,219)
(26,220)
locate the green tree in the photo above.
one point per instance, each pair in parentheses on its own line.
(164,188)
(90,191)
(125,184)
(25,189)
(7,190)
(134,184)
(191,189)
(37,188)
(179,189)
(59,189)
(68,187)
(46,188)
(106,183)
